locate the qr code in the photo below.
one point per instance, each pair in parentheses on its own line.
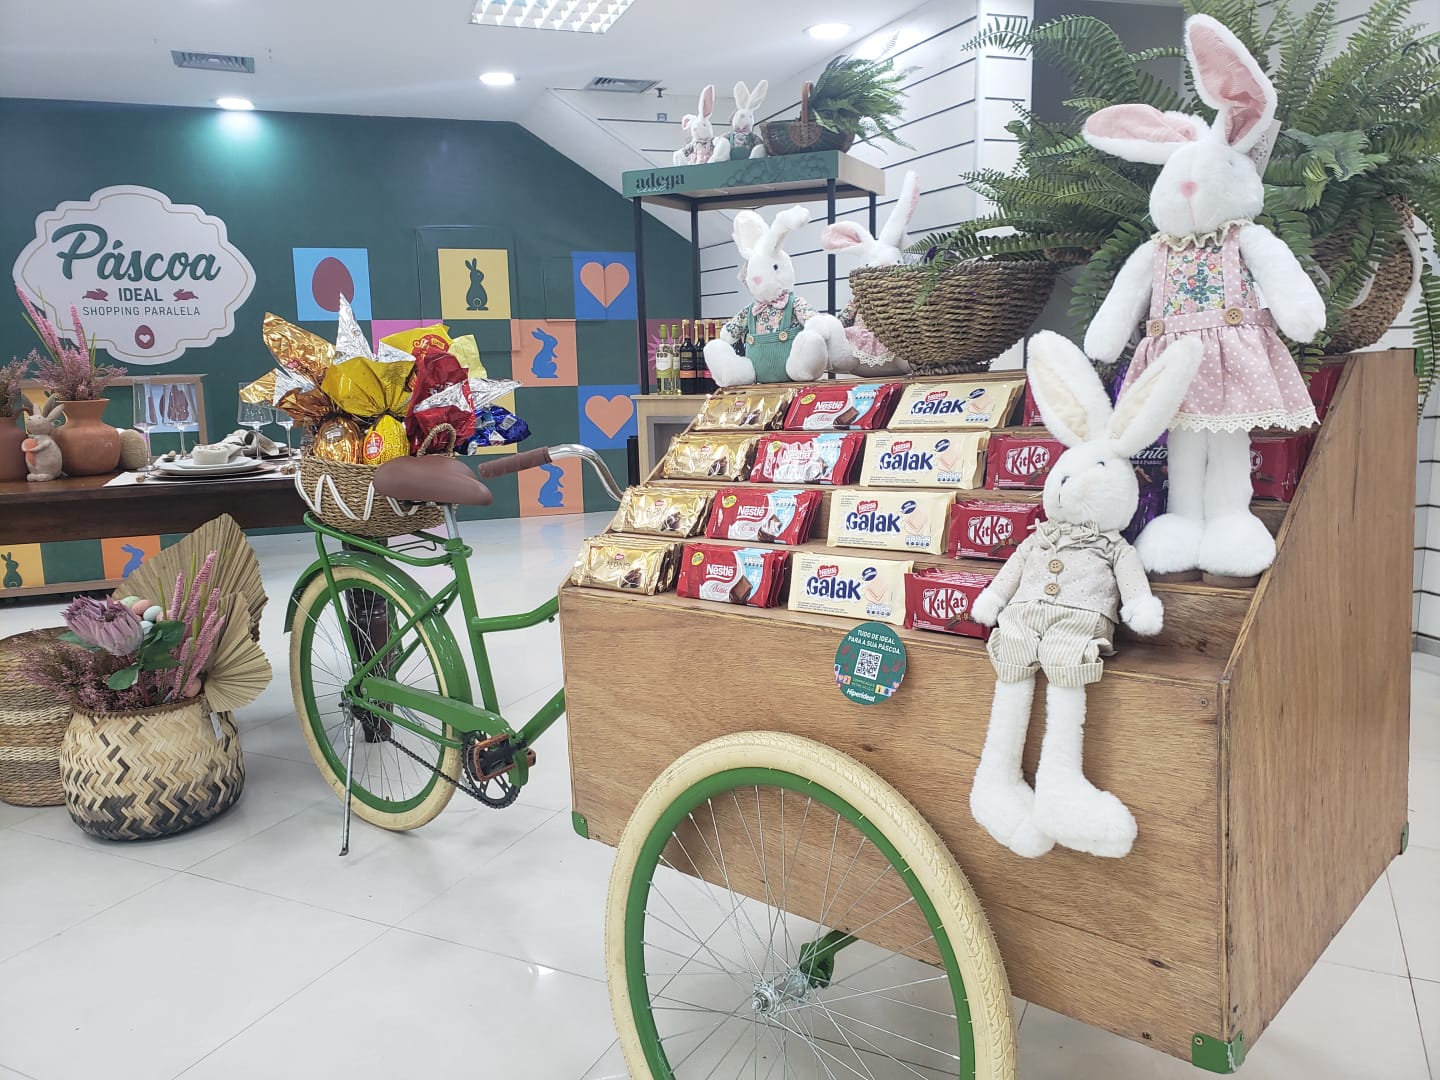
(867,664)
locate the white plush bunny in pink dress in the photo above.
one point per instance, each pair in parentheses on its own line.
(1212,273)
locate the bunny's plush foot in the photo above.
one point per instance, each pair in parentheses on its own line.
(725,367)
(1170,544)
(1000,799)
(1236,545)
(1067,806)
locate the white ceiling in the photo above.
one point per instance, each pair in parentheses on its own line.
(398,57)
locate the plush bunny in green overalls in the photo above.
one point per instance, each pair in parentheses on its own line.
(782,335)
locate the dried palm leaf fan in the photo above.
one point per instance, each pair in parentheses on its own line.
(238,671)
(236,569)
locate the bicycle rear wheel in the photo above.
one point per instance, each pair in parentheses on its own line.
(775,907)
(394,782)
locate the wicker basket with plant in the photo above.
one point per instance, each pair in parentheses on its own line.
(852,99)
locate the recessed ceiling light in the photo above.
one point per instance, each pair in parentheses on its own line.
(828,31)
(498,78)
(239,104)
(582,16)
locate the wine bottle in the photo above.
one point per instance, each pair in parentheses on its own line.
(666,375)
(689,369)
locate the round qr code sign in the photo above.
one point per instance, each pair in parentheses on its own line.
(870,663)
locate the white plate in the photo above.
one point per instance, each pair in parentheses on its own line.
(224,468)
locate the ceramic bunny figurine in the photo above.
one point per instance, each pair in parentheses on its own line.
(872,358)
(1212,275)
(783,335)
(745,141)
(703,146)
(42,453)
(1055,602)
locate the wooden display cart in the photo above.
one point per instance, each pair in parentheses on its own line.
(1261,742)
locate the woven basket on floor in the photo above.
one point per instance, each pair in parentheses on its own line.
(976,311)
(1367,322)
(150,773)
(343,496)
(32,726)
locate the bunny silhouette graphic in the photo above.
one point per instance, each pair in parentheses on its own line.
(543,366)
(136,558)
(552,492)
(475,298)
(13,580)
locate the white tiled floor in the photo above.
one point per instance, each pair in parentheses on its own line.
(246,949)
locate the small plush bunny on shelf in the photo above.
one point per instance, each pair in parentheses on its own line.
(42,453)
(783,335)
(1210,275)
(872,358)
(1055,602)
(745,141)
(702,146)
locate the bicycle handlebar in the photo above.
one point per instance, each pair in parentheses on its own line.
(513,463)
(531,459)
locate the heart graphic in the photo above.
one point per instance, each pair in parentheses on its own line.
(605,283)
(609,414)
(144,337)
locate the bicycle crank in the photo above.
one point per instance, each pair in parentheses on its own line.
(487,765)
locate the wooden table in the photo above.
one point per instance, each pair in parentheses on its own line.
(83,508)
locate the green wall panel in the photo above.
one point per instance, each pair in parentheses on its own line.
(400,188)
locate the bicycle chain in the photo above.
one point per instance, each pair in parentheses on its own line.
(469,789)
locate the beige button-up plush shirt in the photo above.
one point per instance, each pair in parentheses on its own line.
(1073,566)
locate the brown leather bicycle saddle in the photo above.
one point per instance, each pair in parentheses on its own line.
(444,480)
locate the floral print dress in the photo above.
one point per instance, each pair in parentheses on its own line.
(1247,378)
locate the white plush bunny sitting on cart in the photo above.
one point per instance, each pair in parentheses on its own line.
(1056,601)
(1210,275)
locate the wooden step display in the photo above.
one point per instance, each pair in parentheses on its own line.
(1261,743)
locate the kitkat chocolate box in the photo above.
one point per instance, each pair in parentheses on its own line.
(1276,462)
(942,599)
(1324,381)
(991,528)
(731,575)
(1021,459)
(1030,414)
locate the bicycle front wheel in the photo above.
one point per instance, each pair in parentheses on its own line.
(775,907)
(394,782)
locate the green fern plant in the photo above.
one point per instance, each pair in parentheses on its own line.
(1359,146)
(864,98)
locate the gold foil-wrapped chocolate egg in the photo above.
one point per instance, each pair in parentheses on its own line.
(339,439)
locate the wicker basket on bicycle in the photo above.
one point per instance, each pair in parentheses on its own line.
(343,496)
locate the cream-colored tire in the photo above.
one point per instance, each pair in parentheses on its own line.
(691,800)
(389,788)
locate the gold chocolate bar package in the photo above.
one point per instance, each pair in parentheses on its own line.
(709,457)
(753,410)
(663,511)
(627,564)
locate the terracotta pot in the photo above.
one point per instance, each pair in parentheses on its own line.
(89,446)
(12,458)
(142,775)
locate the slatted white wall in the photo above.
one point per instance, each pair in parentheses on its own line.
(956,108)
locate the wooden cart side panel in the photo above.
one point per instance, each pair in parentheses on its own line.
(1122,928)
(1315,743)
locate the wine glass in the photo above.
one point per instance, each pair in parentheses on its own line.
(178,409)
(253,414)
(285,420)
(143,414)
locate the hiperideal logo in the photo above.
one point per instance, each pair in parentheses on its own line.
(150,278)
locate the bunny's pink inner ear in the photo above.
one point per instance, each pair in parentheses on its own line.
(1142,122)
(842,235)
(707,101)
(686,121)
(1230,81)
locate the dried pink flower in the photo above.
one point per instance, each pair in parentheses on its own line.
(107,625)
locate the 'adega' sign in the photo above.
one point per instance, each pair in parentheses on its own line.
(150,278)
